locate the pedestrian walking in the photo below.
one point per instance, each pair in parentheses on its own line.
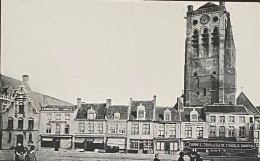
(181,156)
(30,154)
(19,152)
(156,157)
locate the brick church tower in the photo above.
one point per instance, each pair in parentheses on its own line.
(210,72)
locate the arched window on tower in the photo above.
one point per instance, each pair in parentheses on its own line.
(10,123)
(195,42)
(196,85)
(21,108)
(215,40)
(205,42)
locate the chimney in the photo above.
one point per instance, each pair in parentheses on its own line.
(108,102)
(190,8)
(221,3)
(79,103)
(26,82)
(154,108)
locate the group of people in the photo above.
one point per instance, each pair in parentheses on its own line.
(197,157)
(25,153)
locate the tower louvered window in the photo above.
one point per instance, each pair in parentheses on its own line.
(205,42)
(195,42)
(196,85)
(215,38)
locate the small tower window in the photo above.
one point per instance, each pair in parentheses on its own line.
(215,19)
(195,22)
(213,82)
(195,42)
(215,38)
(9,137)
(195,74)
(196,85)
(205,42)
(204,91)
(30,136)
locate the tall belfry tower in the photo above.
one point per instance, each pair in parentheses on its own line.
(210,56)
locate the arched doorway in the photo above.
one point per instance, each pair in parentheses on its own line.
(19,139)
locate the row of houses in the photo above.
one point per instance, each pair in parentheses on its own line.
(139,127)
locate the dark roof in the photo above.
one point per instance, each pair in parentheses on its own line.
(122,109)
(159,114)
(258,108)
(99,108)
(236,109)
(243,100)
(62,106)
(208,5)
(38,99)
(149,106)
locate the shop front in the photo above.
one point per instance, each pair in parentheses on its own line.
(89,143)
(166,146)
(222,148)
(56,142)
(116,145)
(141,146)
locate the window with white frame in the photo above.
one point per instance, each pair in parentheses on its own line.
(112,128)
(212,118)
(231,131)
(188,132)
(90,127)
(117,116)
(160,146)
(140,112)
(221,118)
(134,144)
(121,128)
(67,116)
(242,132)
(135,129)
(161,130)
(57,116)
(212,131)
(146,129)
(222,131)
(81,127)
(199,132)
(173,132)
(231,119)
(100,127)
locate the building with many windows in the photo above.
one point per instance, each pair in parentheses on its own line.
(55,126)
(140,126)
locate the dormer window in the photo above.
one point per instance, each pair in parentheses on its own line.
(140,112)
(117,116)
(91,114)
(167,115)
(194,115)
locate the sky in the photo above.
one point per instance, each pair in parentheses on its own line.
(115,49)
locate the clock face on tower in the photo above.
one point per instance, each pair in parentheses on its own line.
(204,19)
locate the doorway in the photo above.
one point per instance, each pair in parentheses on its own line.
(19,139)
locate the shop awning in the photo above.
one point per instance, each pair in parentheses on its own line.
(47,139)
(79,140)
(98,140)
(116,142)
